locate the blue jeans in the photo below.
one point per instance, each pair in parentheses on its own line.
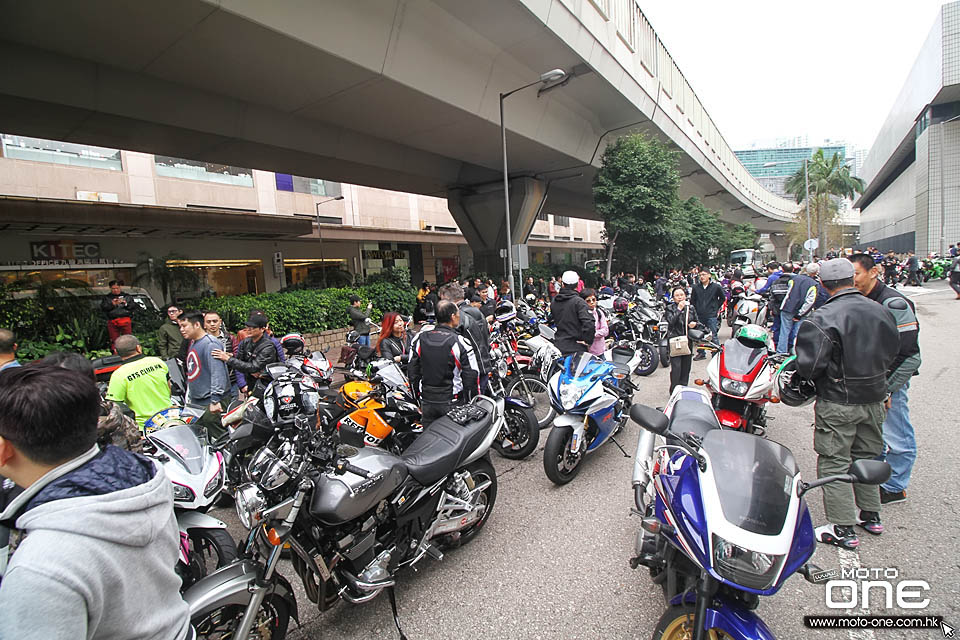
(364,340)
(788,333)
(899,443)
(775,330)
(713,323)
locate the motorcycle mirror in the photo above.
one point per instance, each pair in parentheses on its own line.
(649,418)
(870,471)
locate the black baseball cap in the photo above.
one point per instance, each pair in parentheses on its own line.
(257,321)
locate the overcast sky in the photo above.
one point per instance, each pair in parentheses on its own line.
(768,69)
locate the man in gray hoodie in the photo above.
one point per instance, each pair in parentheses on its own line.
(95,539)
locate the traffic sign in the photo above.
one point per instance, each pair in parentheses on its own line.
(811,244)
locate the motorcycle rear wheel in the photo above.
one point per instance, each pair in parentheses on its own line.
(664,355)
(481,470)
(271,623)
(649,359)
(538,396)
(676,623)
(558,463)
(522,433)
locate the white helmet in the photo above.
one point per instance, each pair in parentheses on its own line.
(570,277)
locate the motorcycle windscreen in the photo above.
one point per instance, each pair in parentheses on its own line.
(582,364)
(181,443)
(739,358)
(754,478)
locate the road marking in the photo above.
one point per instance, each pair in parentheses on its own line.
(914,294)
(850,560)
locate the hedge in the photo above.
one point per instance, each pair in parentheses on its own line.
(312,311)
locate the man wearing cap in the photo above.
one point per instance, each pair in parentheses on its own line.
(846,347)
(572,317)
(799,301)
(255,352)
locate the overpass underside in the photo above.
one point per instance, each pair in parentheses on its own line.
(392,94)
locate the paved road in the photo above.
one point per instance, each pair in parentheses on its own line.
(552,562)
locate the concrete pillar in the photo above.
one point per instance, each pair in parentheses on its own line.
(479,214)
(781,246)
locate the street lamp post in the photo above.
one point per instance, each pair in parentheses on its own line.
(552,76)
(323,264)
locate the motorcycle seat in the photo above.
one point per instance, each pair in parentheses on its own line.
(692,416)
(442,447)
(621,355)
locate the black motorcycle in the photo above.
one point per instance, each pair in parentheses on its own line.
(352,517)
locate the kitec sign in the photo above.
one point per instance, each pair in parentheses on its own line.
(64,250)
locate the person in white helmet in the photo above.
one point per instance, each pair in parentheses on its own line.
(572,317)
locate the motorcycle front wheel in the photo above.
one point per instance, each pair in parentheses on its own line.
(559,464)
(520,435)
(221,624)
(676,623)
(664,355)
(535,392)
(649,359)
(211,549)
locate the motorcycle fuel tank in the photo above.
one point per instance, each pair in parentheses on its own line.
(337,499)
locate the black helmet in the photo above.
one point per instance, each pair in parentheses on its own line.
(793,390)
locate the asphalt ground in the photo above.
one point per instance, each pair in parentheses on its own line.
(552,561)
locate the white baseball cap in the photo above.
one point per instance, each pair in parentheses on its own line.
(570,277)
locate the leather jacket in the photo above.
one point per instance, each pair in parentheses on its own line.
(391,347)
(846,347)
(443,366)
(575,324)
(253,357)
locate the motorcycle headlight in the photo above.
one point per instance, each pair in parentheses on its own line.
(250,504)
(750,569)
(268,470)
(569,395)
(215,483)
(502,368)
(182,493)
(734,387)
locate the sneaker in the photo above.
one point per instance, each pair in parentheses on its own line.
(889,497)
(869,521)
(834,534)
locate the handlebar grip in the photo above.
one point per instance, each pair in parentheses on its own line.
(363,473)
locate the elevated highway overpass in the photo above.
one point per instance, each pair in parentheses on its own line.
(397,94)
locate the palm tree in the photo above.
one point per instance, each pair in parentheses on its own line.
(828,178)
(168,279)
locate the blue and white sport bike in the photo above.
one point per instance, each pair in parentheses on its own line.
(728,522)
(592,398)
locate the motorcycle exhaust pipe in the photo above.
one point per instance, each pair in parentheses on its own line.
(642,467)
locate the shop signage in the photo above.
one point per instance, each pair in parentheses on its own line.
(64,250)
(16,265)
(381,254)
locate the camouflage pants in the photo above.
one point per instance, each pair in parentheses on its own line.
(844,433)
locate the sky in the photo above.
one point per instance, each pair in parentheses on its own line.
(769,69)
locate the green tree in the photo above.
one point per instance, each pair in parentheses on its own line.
(635,191)
(829,179)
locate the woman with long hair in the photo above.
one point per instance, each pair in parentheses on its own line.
(393,342)
(599,344)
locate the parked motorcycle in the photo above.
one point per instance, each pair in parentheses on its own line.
(591,397)
(740,378)
(197,473)
(352,518)
(728,523)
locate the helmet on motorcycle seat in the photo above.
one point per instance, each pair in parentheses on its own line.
(792,389)
(290,395)
(530,298)
(293,344)
(505,311)
(620,305)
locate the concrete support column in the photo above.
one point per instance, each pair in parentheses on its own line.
(266,185)
(139,169)
(479,214)
(781,246)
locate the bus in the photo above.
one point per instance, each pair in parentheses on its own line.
(748,260)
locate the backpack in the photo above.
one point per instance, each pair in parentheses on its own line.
(778,291)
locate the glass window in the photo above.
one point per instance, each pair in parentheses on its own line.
(561,221)
(313,186)
(207,171)
(79,155)
(542,216)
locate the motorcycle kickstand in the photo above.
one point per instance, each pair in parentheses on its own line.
(396,616)
(614,440)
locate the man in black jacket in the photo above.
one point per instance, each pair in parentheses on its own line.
(253,355)
(707,298)
(118,306)
(572,318)
(443,366)
(899,441)
(846,347)
(473,326)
